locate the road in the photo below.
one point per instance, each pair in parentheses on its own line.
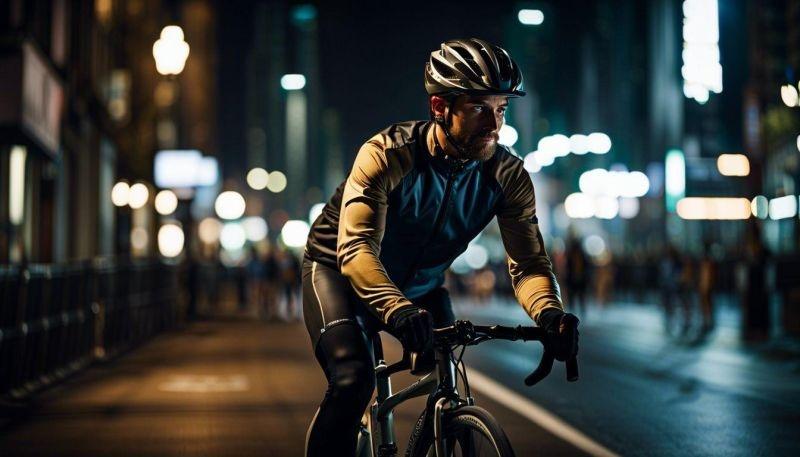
(238,387)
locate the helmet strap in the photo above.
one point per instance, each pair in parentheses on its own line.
(440,121)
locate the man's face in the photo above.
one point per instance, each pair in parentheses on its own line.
(476,122)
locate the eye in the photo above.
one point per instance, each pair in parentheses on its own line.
(502,110)
(477,108)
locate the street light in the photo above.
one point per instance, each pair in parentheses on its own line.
(120,194)
(293,82)
(170,51)
(138,195)
(530,17)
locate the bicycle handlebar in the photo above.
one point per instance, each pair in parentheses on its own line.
(465,333)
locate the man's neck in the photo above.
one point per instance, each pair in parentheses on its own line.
(437,142)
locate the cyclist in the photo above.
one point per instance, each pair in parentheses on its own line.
(417,194)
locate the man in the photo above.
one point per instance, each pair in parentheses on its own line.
(417,194)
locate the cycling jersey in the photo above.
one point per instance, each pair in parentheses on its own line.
(404,214)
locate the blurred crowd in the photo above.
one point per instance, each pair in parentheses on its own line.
(265,283)
(688,287)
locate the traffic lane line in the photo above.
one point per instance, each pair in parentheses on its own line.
(536,414)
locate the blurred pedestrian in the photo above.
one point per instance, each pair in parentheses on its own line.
(670,277)
(605,272)
(289,283)
(576,275)
(272,286)
(753,287)
(256,279)
(707,272)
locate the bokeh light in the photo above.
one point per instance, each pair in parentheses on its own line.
(232,236)
(257,178)
(170,240)
(120,194)
(255,228)
(138,196)
(295,233)
(508,135)
(209,230)
(229,205)
(276,182)
(166,202)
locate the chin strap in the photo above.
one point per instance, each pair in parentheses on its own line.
(439,120)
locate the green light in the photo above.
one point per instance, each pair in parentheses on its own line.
(304,13)
(675,177)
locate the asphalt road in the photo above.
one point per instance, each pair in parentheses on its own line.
(224,388)
(239,387)
(642,393)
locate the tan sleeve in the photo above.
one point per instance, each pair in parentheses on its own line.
(376,171)
(531,272)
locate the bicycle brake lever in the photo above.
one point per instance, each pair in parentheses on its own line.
(572,369)
(545,365)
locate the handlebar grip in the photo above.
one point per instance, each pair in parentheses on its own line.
(541,372)
(572,369)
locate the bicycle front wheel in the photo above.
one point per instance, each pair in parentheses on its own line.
(468,431)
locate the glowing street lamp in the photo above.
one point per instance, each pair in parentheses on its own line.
(530,17)
(170,51)
(293,82)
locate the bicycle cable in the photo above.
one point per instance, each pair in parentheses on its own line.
(462,371)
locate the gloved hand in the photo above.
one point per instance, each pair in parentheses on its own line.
(562,333)
(414,326)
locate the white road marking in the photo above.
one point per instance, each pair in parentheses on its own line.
(205,384)
(535,413)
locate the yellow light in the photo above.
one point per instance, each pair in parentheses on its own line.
(170,51)
(789,95)
(209,230)
(716,208)
(230,205)
(138,196)
(139,239)
(257,178)
(170,240)
(16,196)
(733,165)
(276,182)
(120,194)
(166,202)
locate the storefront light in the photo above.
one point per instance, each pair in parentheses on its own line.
(16,196)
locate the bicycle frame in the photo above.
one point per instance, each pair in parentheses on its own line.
(440,385)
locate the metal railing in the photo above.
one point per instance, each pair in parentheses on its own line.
(58,318)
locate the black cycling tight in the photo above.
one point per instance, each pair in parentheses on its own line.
(339,326)
(347,360)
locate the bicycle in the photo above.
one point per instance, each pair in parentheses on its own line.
(451,424)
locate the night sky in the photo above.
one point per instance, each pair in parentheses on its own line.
(373,55)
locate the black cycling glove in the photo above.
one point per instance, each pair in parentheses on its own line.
(562,333)
(414,326)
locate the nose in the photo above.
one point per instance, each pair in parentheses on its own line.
(495,122)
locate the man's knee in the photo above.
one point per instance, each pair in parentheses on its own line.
(353,379)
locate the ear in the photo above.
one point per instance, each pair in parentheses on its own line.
(438,105)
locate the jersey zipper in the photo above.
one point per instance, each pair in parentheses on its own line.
(437,224)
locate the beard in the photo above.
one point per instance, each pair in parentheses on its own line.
(473,146)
